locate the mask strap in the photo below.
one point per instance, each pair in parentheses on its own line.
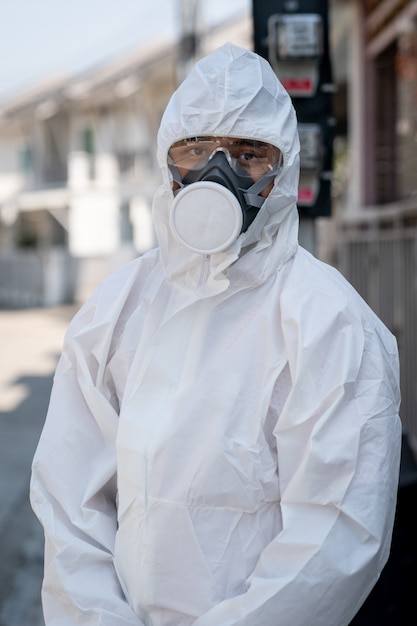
(252,196)
(175,174)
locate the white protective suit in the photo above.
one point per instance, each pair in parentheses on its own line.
(222,443)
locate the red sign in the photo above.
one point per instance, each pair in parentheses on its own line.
(298,85)
(306,195)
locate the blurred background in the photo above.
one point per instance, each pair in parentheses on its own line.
(82,90)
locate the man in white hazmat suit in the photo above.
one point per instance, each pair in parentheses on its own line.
(222,443)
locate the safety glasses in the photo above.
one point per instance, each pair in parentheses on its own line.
(246,157)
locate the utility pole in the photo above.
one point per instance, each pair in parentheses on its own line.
(189,39)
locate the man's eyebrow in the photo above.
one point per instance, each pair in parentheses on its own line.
(250,142)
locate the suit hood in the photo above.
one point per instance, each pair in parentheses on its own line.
(232,92)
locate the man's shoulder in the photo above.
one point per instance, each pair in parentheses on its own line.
(115,292)
(316,292)
(313,277)
(140,266)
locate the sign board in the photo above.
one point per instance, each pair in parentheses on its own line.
(296,36)
(311,147)
(293,35)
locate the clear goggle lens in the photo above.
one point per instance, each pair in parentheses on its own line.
(246,157)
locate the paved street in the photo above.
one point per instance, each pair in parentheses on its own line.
(30,345)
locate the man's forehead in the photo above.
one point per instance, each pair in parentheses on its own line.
(235,141)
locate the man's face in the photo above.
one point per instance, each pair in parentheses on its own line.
(247,157)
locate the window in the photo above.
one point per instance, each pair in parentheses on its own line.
(406,112)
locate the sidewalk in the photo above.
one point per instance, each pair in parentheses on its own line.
(30,342)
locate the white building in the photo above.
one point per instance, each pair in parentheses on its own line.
(78,171)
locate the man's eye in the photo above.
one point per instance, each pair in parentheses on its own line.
(197,151)
(192,152)
(248,156)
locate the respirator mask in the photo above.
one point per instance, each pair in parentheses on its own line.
(219,181)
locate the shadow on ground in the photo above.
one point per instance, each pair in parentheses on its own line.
(392,601)
(21,536)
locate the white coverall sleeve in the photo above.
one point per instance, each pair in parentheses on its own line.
(73,493)
(338,445)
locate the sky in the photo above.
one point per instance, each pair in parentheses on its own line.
(46,38)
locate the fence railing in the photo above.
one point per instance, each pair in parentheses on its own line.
(378,255)
(35,278)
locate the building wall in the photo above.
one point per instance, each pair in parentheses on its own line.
(377,234)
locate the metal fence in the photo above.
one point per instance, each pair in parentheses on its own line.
(35,278)
(378,256)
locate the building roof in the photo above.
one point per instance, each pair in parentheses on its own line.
(122,74)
